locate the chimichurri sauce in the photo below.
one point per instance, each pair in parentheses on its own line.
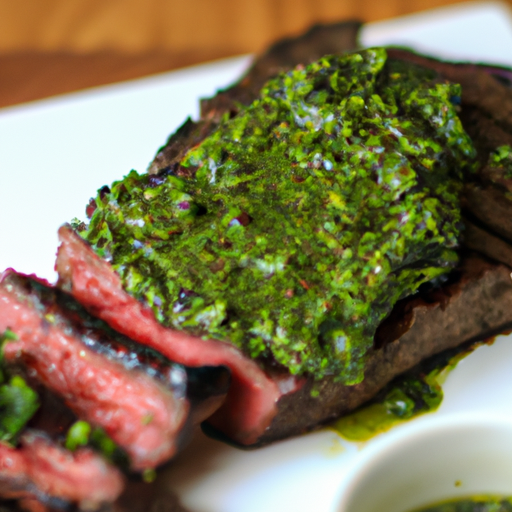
(499,170)
(478,504)
(409,395)
(293,229)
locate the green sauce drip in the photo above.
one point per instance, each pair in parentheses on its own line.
(475,504)
(293,229)
(417,392)
(406,400)
(78,435)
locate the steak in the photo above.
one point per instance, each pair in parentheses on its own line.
(114,364)
(84,370)
(474,304)
(137,412)
(251,401)
(478,304)
(42,471)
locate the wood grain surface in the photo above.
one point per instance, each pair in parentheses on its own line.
(55,46)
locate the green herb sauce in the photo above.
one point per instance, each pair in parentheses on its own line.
(409,398)
(293,229)
(81,433)
(475,504)
(417,392)
(501,158)
(18,401)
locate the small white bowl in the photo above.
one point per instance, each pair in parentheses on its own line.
(430,460)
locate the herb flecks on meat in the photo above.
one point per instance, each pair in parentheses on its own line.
(18,401)
(499,170)
(293,229)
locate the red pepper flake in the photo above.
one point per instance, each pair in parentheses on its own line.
(242,220)
(90,208)
(304,284)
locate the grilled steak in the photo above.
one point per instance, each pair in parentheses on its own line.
(140,414)
(475,303)
(251,402)
(265,401)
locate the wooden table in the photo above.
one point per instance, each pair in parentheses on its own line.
(42,55)
(31,75)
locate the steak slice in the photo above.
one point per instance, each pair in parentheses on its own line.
(141,414)
(477,305)
(43,471)
(250,405)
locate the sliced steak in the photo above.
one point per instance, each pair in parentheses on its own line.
(142,415)
(43,471)
(251,402)
(477,305)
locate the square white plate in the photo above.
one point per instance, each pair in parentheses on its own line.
(55,154)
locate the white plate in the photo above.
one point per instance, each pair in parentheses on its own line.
(55,153)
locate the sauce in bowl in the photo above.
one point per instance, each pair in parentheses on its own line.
(473,504)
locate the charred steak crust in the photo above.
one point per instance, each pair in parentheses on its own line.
(284,55)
